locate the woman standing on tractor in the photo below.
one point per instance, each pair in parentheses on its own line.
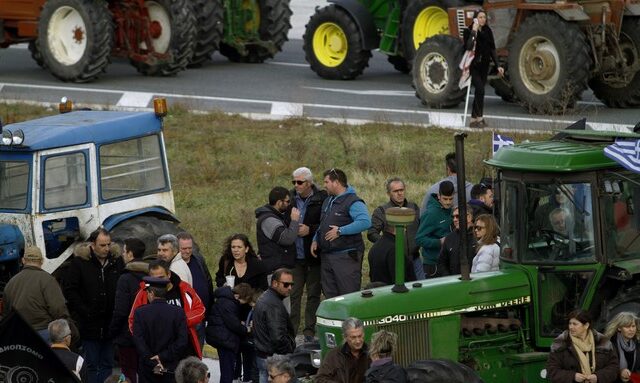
(479,34)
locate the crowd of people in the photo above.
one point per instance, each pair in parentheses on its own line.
(156,308)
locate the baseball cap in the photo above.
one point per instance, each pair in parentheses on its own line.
(155,282)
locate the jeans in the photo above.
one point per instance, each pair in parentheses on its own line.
(98,354)
(262,369)
(417,267)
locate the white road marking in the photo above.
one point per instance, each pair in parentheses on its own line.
(287,109)
(445,119)
(365,92)
(287,64)
(135,99)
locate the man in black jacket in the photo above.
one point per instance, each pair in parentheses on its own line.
(128,285)
(306,197)
(481,200)
(449,259)
(382,260)
(276,232)
(90,290)
(273,331)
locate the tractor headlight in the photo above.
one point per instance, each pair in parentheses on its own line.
(18,137)
(330,340)
(7,137)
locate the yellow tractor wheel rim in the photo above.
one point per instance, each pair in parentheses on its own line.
(330,44)
(430,21)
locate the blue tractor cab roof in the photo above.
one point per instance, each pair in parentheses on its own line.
(82,127)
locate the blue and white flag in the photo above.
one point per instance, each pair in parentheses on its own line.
(626,153)
(499,141)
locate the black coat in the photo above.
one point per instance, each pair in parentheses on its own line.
(224,329)
(485,46)
(388,372)
(382,261)
(563,362)
(90,290)
(159,329)
(272,328)
(202,265)
(255,276)
(628,356)
(449,259)
(311,219)
(126,290)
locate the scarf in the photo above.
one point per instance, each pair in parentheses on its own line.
(583,347)
(626,346)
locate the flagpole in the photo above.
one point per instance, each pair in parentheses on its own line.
(466,107)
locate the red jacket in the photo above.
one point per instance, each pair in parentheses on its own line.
(193,308)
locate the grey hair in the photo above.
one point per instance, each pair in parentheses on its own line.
(169,238)
(58,329)
(191,370)
(622,319)
(304,172)
(351,323)
(391,180)
(282,364)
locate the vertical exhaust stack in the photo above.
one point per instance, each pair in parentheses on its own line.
(462,207)
(400,218)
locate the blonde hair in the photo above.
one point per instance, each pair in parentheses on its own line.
(383,343)
(622,319)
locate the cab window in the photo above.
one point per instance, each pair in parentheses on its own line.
(65,181)
(14,185)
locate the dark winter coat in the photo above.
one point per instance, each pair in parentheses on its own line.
(255,276)
(340,366)
(629,356)
(90,289)
(485,45)
(382,261)
(385,371)
(563,361)
(272,328)
(126,290)
(311,218)
(203,288)
(479,207)
(449,259)
(379,223)
(224,329)
(276,235)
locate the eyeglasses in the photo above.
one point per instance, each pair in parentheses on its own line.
(478,228)
(286,284)
(298,182)
(276,375)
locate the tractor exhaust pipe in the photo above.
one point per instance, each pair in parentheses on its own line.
(462,207)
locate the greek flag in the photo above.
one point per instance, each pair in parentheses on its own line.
(626,153)
(499,141)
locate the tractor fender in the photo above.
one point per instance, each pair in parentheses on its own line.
(155,211)
(364,20)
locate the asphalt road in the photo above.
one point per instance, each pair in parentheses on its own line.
(282,87)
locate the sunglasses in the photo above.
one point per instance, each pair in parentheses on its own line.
(286,284)
(478,228)
(297,182)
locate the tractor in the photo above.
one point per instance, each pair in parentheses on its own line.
(63,176)
(340,37)
(501,324)
(551,52)
(75,39)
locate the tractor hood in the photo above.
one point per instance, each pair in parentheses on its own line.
(430,298)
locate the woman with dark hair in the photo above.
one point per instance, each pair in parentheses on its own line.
(240,260)
(622,330)
(488,256)
(581,354)
(480,35)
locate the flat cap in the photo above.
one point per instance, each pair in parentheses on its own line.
(33,254)
(155,282)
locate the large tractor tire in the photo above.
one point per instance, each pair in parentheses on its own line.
(420,20)
(441,371)
(626,94)
(400,64)
(333,45)
(75,38)
(436,72)
(146,228)
(549,63)
(36,55)
(274,18)
(209,29)
(177,36)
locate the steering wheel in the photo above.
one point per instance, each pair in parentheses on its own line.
(560,242)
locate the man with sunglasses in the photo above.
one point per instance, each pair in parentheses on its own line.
(276,232)
(306,197)
(272,329)
(339,238)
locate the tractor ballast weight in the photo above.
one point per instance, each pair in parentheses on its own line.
(75,39)
(551,52)
(339,37)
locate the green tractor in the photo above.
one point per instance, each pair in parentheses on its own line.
(340,37)
(551,51)
(502,323)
